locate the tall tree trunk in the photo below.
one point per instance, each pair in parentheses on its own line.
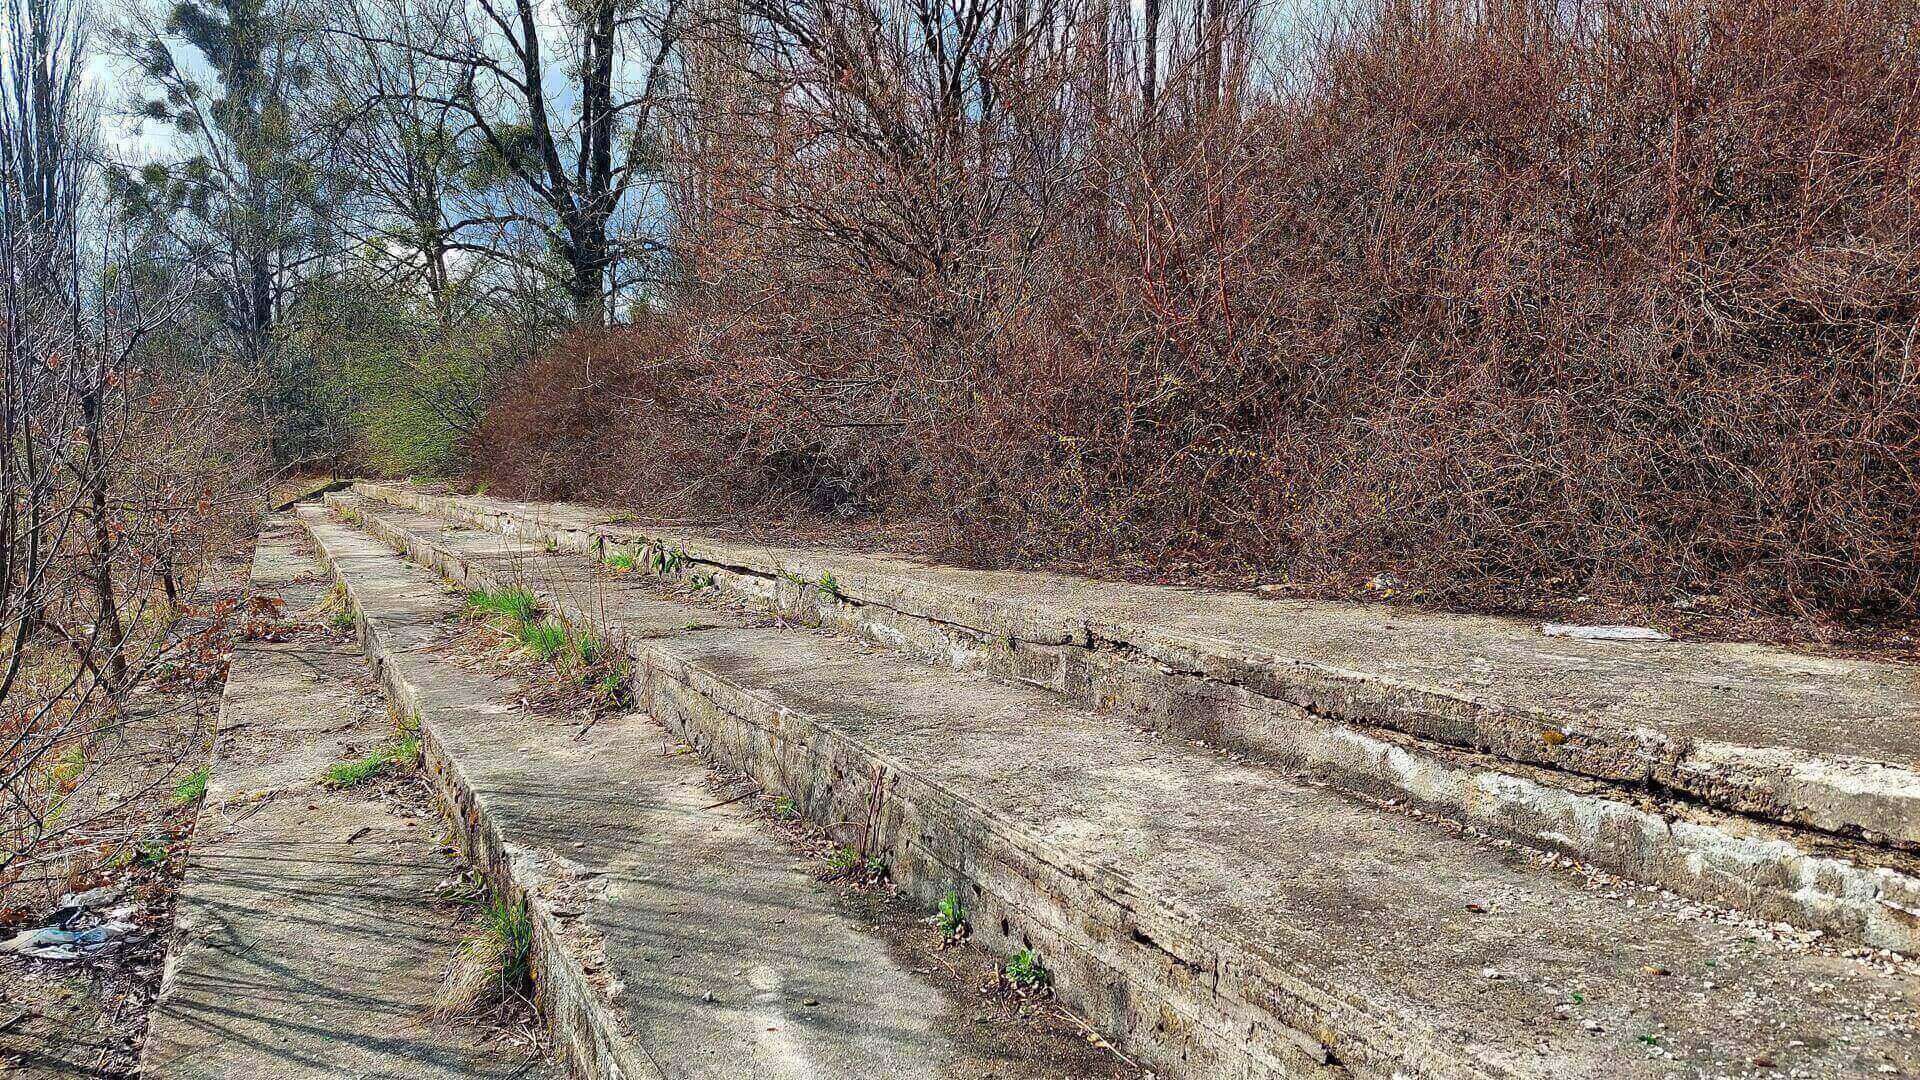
(109,634)
(1149,76)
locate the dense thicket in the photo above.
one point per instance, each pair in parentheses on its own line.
(1517,299)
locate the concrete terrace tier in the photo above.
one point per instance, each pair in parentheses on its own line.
(1214,917)
(1778,783)
(673,936)
(310,940)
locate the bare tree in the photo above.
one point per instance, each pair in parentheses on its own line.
(561,121)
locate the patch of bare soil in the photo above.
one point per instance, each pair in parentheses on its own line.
(130,819)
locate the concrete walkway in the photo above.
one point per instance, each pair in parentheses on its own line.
(310,942)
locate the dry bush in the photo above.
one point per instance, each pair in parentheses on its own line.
(1517,299)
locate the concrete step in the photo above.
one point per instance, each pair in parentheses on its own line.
(310,940)
(1776,783)
(1213,917)
(674,936)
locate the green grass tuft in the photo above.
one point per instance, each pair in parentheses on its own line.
(495,963)
(193,788)
(516,605)
(404,754)
(544,640)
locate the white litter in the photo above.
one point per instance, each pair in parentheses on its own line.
(1603,633)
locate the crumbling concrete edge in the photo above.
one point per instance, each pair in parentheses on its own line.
(1834,884)
(585,1025)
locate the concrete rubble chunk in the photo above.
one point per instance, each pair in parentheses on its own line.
(1211,916)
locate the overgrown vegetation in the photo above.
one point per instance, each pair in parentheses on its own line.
(1515,302)
(581,661)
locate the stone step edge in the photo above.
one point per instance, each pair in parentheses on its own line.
(1852,891)
(1216,995)
(584,1023)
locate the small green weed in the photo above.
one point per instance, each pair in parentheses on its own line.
(193,788)
(349,515)
(784,808)
(1026,971)
(621,561)
(843,860)
(612,687)
(152,852)
(952,917)
(829,586)
(663,559)
(701,582)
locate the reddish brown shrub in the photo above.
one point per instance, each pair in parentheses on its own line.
(1518,300)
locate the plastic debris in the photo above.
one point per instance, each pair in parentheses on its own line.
(68,935)
(1603,633)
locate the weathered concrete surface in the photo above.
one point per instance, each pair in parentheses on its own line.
(1215,918)
(1041,630)
(675,938)
(1822,742)
(309,940)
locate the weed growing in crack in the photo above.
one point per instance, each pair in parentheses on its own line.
(952,916)
(701,582)
(404,754)
(828,586)
(494,964)
(1026,972)
(192,788)
(337,609)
